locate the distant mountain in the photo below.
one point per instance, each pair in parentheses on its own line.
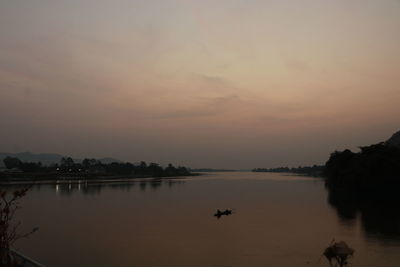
(45,158)
(394,140)
(108,160)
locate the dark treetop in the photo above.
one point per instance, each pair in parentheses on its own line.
(88,168)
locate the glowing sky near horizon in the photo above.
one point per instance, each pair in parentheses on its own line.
(228,84)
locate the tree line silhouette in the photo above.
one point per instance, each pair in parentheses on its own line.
(95,167)
(375,166)
(365,185)
(315,170)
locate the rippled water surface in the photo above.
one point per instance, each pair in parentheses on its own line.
(278,220)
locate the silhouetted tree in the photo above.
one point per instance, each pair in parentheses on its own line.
(93,166)
(31,166)
(67,163)
(315,170)
(8,228)
(12,162)
(374,167)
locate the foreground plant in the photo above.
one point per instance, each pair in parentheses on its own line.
(8,228)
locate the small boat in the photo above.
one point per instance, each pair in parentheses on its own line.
(226,212)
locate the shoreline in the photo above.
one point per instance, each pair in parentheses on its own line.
(90,180)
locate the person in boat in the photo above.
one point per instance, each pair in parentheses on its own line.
(220,213)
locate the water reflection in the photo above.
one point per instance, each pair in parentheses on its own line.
(92,188)
(379,214)
(150,222)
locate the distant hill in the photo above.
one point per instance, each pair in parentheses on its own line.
(108,160)
(394,140)
(45,158)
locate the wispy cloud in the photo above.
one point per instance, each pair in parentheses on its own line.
(205,107)
(297,65)
(213,79)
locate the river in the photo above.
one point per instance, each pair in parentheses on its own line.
(278,220)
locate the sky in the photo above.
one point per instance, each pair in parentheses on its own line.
(223,84)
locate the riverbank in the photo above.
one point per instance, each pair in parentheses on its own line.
(25,179)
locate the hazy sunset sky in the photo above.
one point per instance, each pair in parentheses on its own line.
(227,83)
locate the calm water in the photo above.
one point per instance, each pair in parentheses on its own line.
(278,221)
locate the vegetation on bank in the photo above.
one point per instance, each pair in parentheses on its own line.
(362,184)
(374,167)
(365,185)
(88,168)
(316,170)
